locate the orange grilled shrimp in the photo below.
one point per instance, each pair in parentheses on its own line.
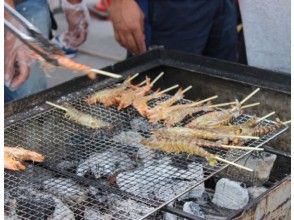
(13,156)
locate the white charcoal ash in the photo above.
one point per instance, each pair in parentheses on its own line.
(256,191)
(128,138)
(105,164)
(145,153)
(66,189)
(67,165)
(158,179)
(92,213)
(261,163)
(230,194)
(194,209)
(28,201)
(103,198)
(132,209)
(140,124)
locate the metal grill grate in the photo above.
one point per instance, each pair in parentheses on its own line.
(109,172)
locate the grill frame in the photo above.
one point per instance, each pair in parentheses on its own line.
(168,58)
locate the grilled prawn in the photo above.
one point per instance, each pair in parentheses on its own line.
(83,118)
(108,97)
(13,156)
(129,95)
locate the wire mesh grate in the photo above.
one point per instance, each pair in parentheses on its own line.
(131,181)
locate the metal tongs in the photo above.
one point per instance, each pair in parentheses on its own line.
(38,43)
(34,39)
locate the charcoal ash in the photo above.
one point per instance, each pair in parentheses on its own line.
(158,179)
(132,209)
(194,209)
(230,194)
(26,202)
(93,213)
(105,164)
(141,124)
(100,198)
(256,191)
(128,138)
(66,165)
(66,189)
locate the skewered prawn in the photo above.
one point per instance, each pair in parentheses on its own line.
(129,95)
(14,155)
(180,146)
(180,132)
(108,97)
(183,146)
(70,64)
(80,117)
(140,103)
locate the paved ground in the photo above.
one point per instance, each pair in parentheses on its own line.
(100,41)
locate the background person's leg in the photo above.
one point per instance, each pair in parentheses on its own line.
(223,39)
(37,12)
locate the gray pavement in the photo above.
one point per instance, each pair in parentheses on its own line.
(100,41)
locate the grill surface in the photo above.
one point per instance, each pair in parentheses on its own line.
(75,180)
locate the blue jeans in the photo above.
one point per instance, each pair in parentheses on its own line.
(202,27)
(37,12)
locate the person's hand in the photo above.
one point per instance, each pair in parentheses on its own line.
(17,61)
(77,16)
(128,24)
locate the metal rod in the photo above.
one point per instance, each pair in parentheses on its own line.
(180,213)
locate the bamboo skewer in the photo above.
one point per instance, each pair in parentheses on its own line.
(249,96)
(57,106)
(222,104)
(105,73)
(142,83)
(250,105)
(232,163)
(286,122)
(157,78)
(168,89)
(203,101)
(264,117)
(187,89)
(241,147)
(133,77)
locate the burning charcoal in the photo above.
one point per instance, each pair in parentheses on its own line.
(67,189)
(66,165)
(131,208)
(230,194)
(105,164)
(128,138)
(194,209)
(255,191)
(261,163)
(92,213)
(29,203)
(160,180)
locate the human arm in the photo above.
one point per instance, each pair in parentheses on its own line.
(128,24)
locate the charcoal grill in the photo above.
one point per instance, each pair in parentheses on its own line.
(31,123)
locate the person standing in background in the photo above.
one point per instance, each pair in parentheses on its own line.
(195,26)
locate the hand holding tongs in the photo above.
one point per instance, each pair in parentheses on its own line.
(34,39)
(37,42)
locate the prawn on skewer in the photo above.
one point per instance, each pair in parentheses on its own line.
(183,146)
(13,156)
(140,103)
(108,97)
(80,117)
(128,96)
